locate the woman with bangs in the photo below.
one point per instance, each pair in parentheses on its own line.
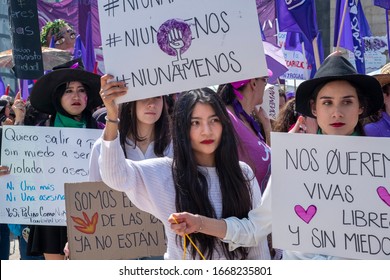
(69,95)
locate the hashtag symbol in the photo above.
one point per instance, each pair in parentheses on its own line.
(124,79)
(21,3)
(112,40)
(111,5)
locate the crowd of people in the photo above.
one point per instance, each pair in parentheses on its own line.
(200,164)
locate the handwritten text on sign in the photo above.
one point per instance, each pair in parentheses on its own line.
(104,224)
(172,46)
(26,51)
(41,160)
(331,195)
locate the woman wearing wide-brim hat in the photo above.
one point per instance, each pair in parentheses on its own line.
(378,125)
(69,95)
(323,96)
(338,97)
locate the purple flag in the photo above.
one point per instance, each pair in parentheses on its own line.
(275,61)
(388,31)
(297,16)
(84,11)
(52,42)
(355,28)
(267,18)
(2,86)
(385,4)
(23,88)
(79,49)
(89,49)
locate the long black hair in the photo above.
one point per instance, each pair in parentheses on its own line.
(128,125)
(191,184)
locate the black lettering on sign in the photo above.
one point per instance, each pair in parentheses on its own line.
(26,49)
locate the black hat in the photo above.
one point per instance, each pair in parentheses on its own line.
(334,68)
(45,87)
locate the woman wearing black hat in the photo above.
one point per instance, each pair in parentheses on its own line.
(68,94)
(338,97)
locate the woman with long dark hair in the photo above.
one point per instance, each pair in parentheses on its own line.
(144,131)
(68,94)
(204,176)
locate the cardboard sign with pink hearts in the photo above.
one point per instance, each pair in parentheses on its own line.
(331,195)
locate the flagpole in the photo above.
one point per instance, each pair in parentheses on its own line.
(316,53)
(388,30)
(304,57)
(342,25)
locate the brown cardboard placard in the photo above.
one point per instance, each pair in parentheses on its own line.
(103,224)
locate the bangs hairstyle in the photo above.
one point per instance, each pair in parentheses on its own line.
(192,190)
(56,101)
(128,126)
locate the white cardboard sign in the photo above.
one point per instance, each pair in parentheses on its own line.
(41,160)
(163,47)
(271,101)
(330,195)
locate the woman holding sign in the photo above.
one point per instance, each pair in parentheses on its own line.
(204,175)
(68,94)
(145,132)
(338,97)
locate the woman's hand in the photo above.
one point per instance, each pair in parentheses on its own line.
(265,121)
(66,250)
(109,91)
(4,170)
(185,223)
(300,126)
(19,108)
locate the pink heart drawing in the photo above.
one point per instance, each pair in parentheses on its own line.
(305,215)
(384,195)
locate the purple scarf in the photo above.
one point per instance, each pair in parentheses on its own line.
(238,110)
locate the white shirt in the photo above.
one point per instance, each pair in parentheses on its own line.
(149,185)
(131,152)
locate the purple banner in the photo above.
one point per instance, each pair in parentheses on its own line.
(385,4)
(297,16)
(358,45)
(267,18)
(354,29)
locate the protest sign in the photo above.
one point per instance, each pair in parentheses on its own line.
(26,50)
(41,160)
(163,47)
(271,101)
(330,195)
(375,53)
(298,68)
(103,224)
